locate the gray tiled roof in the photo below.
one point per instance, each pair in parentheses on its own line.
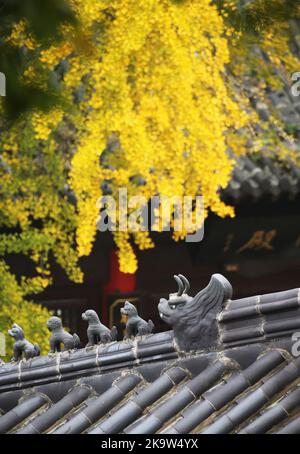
(245,321)
(260,317)
(257,176)
(204,393)
(246,383)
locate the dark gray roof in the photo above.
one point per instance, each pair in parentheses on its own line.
(204,393)
(245,381)
(260,317)
(257,176)
(89,361)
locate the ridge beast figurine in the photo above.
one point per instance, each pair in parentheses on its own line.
(60,336)
(22,347)
(194,319)
(135,325)
(97,332)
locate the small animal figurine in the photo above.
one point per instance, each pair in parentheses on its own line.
(22,347)
(60,336)
(194,319)
(135,324)
(97,332)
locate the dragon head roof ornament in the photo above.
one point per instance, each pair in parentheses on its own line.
(194,319)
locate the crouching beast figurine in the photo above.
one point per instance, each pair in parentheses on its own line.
(97,332)
(60,336)
(135,325)
(22,347)
(194,319)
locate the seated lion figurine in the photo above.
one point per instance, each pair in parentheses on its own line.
(97,332)
(60,336)
(22,347)
(135,325)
